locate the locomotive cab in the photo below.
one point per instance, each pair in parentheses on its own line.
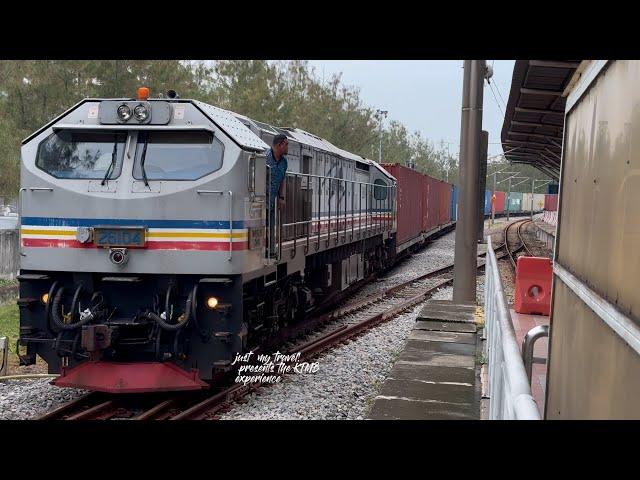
(136,216)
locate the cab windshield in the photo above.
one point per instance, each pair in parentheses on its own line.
(177,155)
(82,155)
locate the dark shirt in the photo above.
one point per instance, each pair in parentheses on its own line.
(278,173)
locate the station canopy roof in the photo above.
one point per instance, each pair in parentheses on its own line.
(534,120)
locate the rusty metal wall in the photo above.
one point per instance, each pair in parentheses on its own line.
(593,373)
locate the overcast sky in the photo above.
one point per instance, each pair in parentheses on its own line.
(424,95)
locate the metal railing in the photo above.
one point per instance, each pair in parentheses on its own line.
(369,215)
(528,344)
(4,356)
(509,388)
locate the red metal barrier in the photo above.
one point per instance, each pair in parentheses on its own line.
(533,285)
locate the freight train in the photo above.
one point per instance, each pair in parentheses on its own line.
(145,259)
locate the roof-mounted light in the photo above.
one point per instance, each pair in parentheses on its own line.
(143,93)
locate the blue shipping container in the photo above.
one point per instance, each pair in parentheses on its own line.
(487,202)
(454,203)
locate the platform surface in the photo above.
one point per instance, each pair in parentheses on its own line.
(435,376)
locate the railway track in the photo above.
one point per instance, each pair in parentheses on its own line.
(342,324)
(514,247)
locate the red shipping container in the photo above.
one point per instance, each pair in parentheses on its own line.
(424,195)
(431,209)
(409,201)
(551,202)
(533,285)
(500,197)
(445,203)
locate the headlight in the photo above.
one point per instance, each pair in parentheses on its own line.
(124,112)
(212,302)
(141,113)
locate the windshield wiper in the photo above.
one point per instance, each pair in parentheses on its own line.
(114,156)
(142,159)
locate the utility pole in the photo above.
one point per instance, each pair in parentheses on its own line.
(378,115)
(508,195)
(533,182)
(506,200)
(493,208)
(482,182)
(493,204)
(466,247)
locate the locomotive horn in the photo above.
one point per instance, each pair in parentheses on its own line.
(172,94)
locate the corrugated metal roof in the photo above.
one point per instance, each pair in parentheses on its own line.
(534,121)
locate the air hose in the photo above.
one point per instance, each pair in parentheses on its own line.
(172,327)
(55,311)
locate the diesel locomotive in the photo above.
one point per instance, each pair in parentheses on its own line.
(144,241)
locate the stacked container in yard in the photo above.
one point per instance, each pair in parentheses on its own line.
(409,201)
(515,202)
(551,202)
(538,202)
(526,202)
(500,201)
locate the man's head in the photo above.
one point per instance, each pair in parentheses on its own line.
(280,145)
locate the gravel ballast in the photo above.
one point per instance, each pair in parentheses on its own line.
(350,376)
(25,399)
(348,379)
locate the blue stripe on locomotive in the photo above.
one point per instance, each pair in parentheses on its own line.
(151,223)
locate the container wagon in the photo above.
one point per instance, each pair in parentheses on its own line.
(423,204)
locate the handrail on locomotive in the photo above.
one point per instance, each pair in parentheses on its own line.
(340,219)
